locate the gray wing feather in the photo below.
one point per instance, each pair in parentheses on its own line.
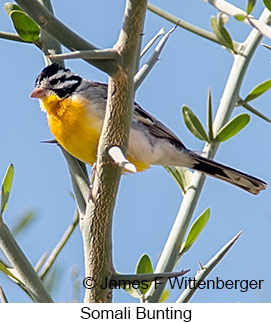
(97,93)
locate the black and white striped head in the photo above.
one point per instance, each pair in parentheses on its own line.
(57,80)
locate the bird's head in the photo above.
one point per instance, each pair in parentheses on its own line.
(55,80)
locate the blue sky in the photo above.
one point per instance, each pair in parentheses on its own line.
(147,202)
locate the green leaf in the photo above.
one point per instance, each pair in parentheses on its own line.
(195,230)
(164,296)
(6,187)
(13,275)
(231,128)
(182,176)
(9,7)
(258,90)
(144,266)
(267,4)
(240,17)
(193,124)
(23,222)
(250,5)
(221,33)
(27,29)
(132,291)
(8,271)
(210,116)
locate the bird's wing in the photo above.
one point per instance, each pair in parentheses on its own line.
(155,127)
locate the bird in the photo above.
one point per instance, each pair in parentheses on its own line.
(75,110)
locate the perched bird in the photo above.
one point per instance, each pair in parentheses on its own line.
(76,107)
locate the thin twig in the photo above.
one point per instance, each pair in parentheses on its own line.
(147,67)
(3,297)
(251,109)
(160,33)
(89,54)
(183,24)
(12,36)
(54,27)
(206,269)
(60,245)
(117,155)
(41,261)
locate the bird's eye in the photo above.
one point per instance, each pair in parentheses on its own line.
(54,81)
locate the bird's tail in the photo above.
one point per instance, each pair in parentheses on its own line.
(248,183)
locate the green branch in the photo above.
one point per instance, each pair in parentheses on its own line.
(23,267)
(11,36)
(102,54)
(96,225)
(183,24)
(65,36)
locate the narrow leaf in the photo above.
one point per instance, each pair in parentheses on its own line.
(267,4)
(210,116)
(23,222)
(6,187)
(240,17)
(250,5)
(164,296)
(182,176)
(258,90)
(193,124)
(8,271)
(131,291)
(231,128)
(27,29)
(221,33)
(195,230)
(144,266)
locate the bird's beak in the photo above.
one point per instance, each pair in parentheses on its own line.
(38,93)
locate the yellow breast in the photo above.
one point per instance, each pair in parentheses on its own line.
(76,128)
(73,126)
